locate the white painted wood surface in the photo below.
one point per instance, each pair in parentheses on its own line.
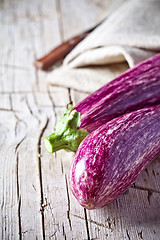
(35,199)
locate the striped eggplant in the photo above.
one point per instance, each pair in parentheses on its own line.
(110,158)
(135,89)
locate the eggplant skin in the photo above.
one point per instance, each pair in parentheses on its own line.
(110,158)
(135,89)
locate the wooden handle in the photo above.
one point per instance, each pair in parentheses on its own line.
(59,52)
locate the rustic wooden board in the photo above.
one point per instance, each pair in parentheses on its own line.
(35,199)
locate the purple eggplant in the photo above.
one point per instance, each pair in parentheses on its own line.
(135,89)
(110,158)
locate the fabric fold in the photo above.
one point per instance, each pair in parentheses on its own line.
(128,36)
(86,79)
(132,33)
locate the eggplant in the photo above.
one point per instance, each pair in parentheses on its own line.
(133,90)
(110,158)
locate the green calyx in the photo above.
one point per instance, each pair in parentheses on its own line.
(67,136)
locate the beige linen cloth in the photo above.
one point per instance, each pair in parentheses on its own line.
(128,36)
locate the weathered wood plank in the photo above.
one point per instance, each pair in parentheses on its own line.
(35,199)
(9,219)
(20,175)
(61,208)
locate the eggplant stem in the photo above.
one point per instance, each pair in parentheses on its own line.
(67,135)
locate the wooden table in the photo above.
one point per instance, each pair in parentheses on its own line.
(35,199)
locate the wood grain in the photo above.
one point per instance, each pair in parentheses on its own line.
(35,199)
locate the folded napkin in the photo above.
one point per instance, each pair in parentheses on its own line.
(130,34)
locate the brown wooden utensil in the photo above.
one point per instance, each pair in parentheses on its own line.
(61,51)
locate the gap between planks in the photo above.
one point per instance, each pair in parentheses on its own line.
(40,177)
